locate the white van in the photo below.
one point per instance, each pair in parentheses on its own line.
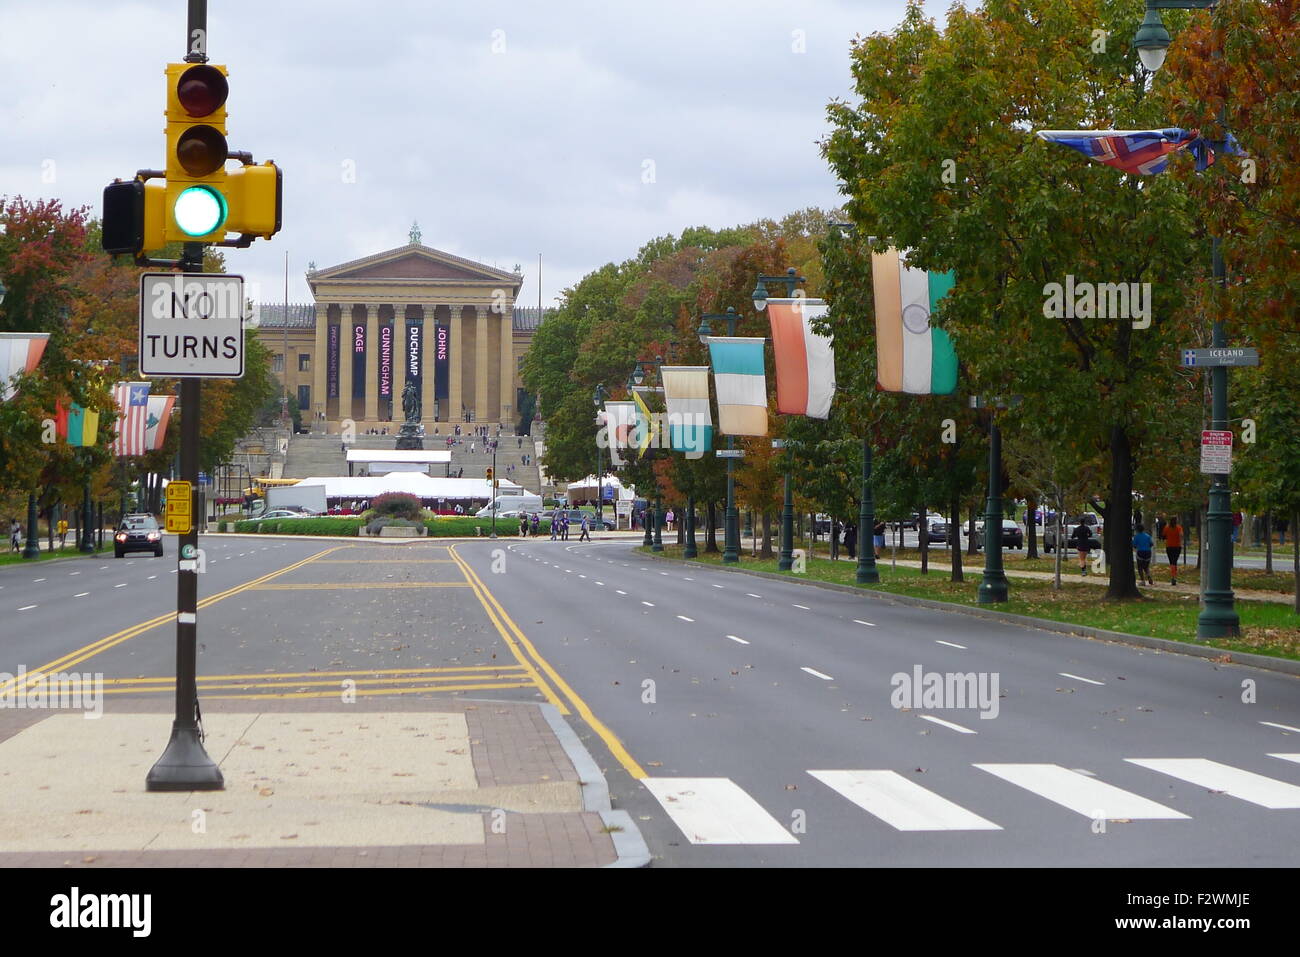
(511,506)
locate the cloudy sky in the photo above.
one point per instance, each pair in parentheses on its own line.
(573,129)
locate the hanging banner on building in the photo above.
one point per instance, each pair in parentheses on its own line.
(441,360)
(358,360)
(385,362)
(415,354)
(332,363)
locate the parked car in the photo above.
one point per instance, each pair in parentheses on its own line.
(937,532)
(1091,519)
(282,513)
(1013,536)
(138,533)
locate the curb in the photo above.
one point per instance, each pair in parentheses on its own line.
(1244,658)
(629,845)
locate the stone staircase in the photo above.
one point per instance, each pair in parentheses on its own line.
(315,455)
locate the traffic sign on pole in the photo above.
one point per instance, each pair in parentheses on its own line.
(180,511)
(191,325)
(1216,452)
(1220,357)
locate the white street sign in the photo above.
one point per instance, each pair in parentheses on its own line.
(191,325)
(1216,452)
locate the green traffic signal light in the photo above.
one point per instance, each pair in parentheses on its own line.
(200,210)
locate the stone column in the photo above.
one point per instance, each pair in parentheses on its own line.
(372,365)
(481,410)
(428,342)
(507,367)
(345,362)
(454,398)
(319,361)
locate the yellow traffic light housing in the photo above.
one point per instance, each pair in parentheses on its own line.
(255,195)
(196,205)
(489,474)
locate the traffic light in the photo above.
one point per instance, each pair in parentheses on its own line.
(134,216)
(489,474)
(196,205)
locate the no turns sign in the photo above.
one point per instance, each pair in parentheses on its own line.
(191,325)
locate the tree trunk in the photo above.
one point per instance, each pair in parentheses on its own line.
(711,529)
(923,539)
(1056,550)
(1268,541)
(971,542)
(835,540)
(1119,518)
(1295,557)
(954,539)
(767,535)
(1031,529)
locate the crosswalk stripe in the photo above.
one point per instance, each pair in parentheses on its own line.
(716,811)
(1287,757)
(902,804)
(1080,793)
(1246,785)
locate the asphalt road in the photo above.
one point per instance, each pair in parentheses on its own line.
(742,721)
(768,736)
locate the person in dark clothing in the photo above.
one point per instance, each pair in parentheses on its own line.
(851,540)
(1081,540)
(878,537)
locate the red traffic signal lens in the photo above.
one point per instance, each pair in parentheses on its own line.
(201,150)
(202,90)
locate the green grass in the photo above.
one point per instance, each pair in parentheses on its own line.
(16,558)
(1267,628)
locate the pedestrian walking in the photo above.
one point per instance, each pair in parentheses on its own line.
(1081,540)
(1142,545)
(586,530)
(63,531)
(668,517)
(878,536)
(851,540)
(534,524)
(555,526)
(564,529)
(1173,536)
(1237,519)
(15,535)
(523,526)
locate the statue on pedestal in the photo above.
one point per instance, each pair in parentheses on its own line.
(409,435)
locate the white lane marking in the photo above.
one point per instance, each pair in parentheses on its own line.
(1213,776)
(716,811)
(1284,727)
(172,572)
(582,576)
(817,674)
(685,579)
(600,583)
(715,586)
(902,804)
(804,607)
(947,724)
(741,640)
(123,585)
(74,573)
(684,618)
(28,607)
(1066,674)
(568,571)
(750,594)
(645,569)
(869,624)
(151,578)
(1079,793)
(950,644)
(648,604)
(663,573)
(35,580)
(81,594)
(1287,757)
(620,591)
(102,567)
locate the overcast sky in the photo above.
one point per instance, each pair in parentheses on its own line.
(578,130)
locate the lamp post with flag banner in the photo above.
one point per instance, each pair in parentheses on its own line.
(1146,152)
(20,352)
(598,400)
(730,521)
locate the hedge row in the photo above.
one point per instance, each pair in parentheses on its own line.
(301,526)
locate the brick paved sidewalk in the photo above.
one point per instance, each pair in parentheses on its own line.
(309,783)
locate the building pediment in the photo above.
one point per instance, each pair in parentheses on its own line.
(414,263)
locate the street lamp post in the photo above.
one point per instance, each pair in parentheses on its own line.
(730,522)
(1218,617)
(600,395)
(993,587)
(786,560)
(658,545)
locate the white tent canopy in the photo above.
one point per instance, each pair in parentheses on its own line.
(431,457)
(586,488)
(425,487)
